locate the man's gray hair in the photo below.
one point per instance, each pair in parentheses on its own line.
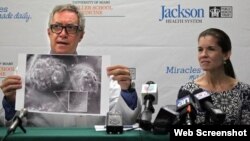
(72,8)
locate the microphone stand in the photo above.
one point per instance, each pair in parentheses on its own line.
(189,120)
(13,130)
(144,119)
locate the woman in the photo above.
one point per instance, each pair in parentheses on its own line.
(227,93)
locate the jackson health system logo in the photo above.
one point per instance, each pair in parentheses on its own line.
(180,14)
(191,72)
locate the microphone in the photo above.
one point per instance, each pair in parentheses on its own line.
(204,100)
(17,121)
(186,108)
(150,92)
(166,117)
(150,97)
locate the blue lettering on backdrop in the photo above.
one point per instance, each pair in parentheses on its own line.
(5,14)
(176,70)
(179,12)
(193,77)
(193,72)
(24,16)
(3,9)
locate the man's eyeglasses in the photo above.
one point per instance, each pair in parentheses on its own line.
(70,29)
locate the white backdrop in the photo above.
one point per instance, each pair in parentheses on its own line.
(134,34)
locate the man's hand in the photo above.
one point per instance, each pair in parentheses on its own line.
(121,74)
(9,86)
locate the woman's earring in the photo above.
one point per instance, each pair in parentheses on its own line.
(225,61)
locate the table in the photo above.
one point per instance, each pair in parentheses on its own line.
(79,134)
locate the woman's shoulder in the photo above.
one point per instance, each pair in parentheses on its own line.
(244,89)
(243,86)
(190,86)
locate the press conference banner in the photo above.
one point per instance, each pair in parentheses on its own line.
(157,39)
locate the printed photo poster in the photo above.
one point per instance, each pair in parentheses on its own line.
(63,84)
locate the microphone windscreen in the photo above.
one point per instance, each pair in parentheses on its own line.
(166,117)
(168,114)
(150,82)
(197,91)
(182,93)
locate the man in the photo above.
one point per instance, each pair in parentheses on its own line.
(65,31)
